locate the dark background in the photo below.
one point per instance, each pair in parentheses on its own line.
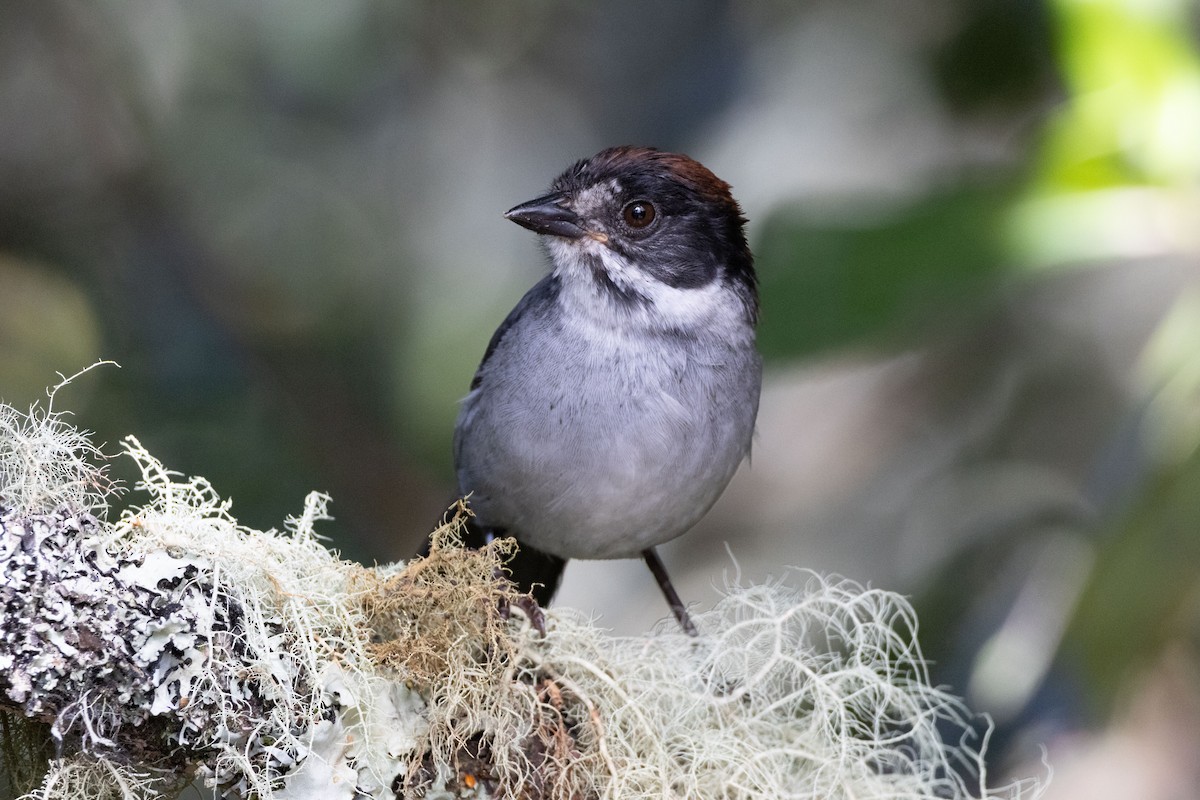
(978,234)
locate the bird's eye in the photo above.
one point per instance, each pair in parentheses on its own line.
(638,214)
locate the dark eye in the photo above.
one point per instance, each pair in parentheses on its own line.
(638,214)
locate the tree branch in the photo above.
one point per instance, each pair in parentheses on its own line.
(173,643)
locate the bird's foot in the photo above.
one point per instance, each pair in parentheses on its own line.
(527,606)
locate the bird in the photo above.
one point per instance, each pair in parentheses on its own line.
(614,403)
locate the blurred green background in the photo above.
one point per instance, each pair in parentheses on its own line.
(977,225)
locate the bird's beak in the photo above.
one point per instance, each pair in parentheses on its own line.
(548,215)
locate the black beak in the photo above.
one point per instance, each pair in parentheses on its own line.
(548,215)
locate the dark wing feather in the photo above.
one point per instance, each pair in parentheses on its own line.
(530,569)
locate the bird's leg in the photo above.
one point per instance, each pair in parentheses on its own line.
(664,582)
(524,601)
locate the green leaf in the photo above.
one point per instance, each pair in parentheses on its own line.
(828,286)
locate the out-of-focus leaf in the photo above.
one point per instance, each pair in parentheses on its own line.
(1143,590)
(1001,57)
(46,325)
(827,286)
(1142,593)
(1134,113)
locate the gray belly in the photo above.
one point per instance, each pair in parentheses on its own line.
(600,455)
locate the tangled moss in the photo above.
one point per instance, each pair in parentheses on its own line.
(296,674)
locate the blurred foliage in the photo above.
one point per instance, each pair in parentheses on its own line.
(928,267)
(1143,595)
(1000,59)
(44,319)
(1133,73)
(1117,175)
(1117,171)
(1134,120)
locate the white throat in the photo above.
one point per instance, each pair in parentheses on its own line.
(648,304)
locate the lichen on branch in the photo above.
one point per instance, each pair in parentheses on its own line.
(172,643)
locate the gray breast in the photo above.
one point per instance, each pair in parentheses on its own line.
(597,446)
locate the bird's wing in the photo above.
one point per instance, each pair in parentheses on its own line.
(542,294)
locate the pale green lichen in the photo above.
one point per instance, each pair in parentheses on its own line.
(347,682)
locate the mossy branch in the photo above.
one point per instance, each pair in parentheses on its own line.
(173,644)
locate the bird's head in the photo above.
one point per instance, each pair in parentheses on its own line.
(646,230)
